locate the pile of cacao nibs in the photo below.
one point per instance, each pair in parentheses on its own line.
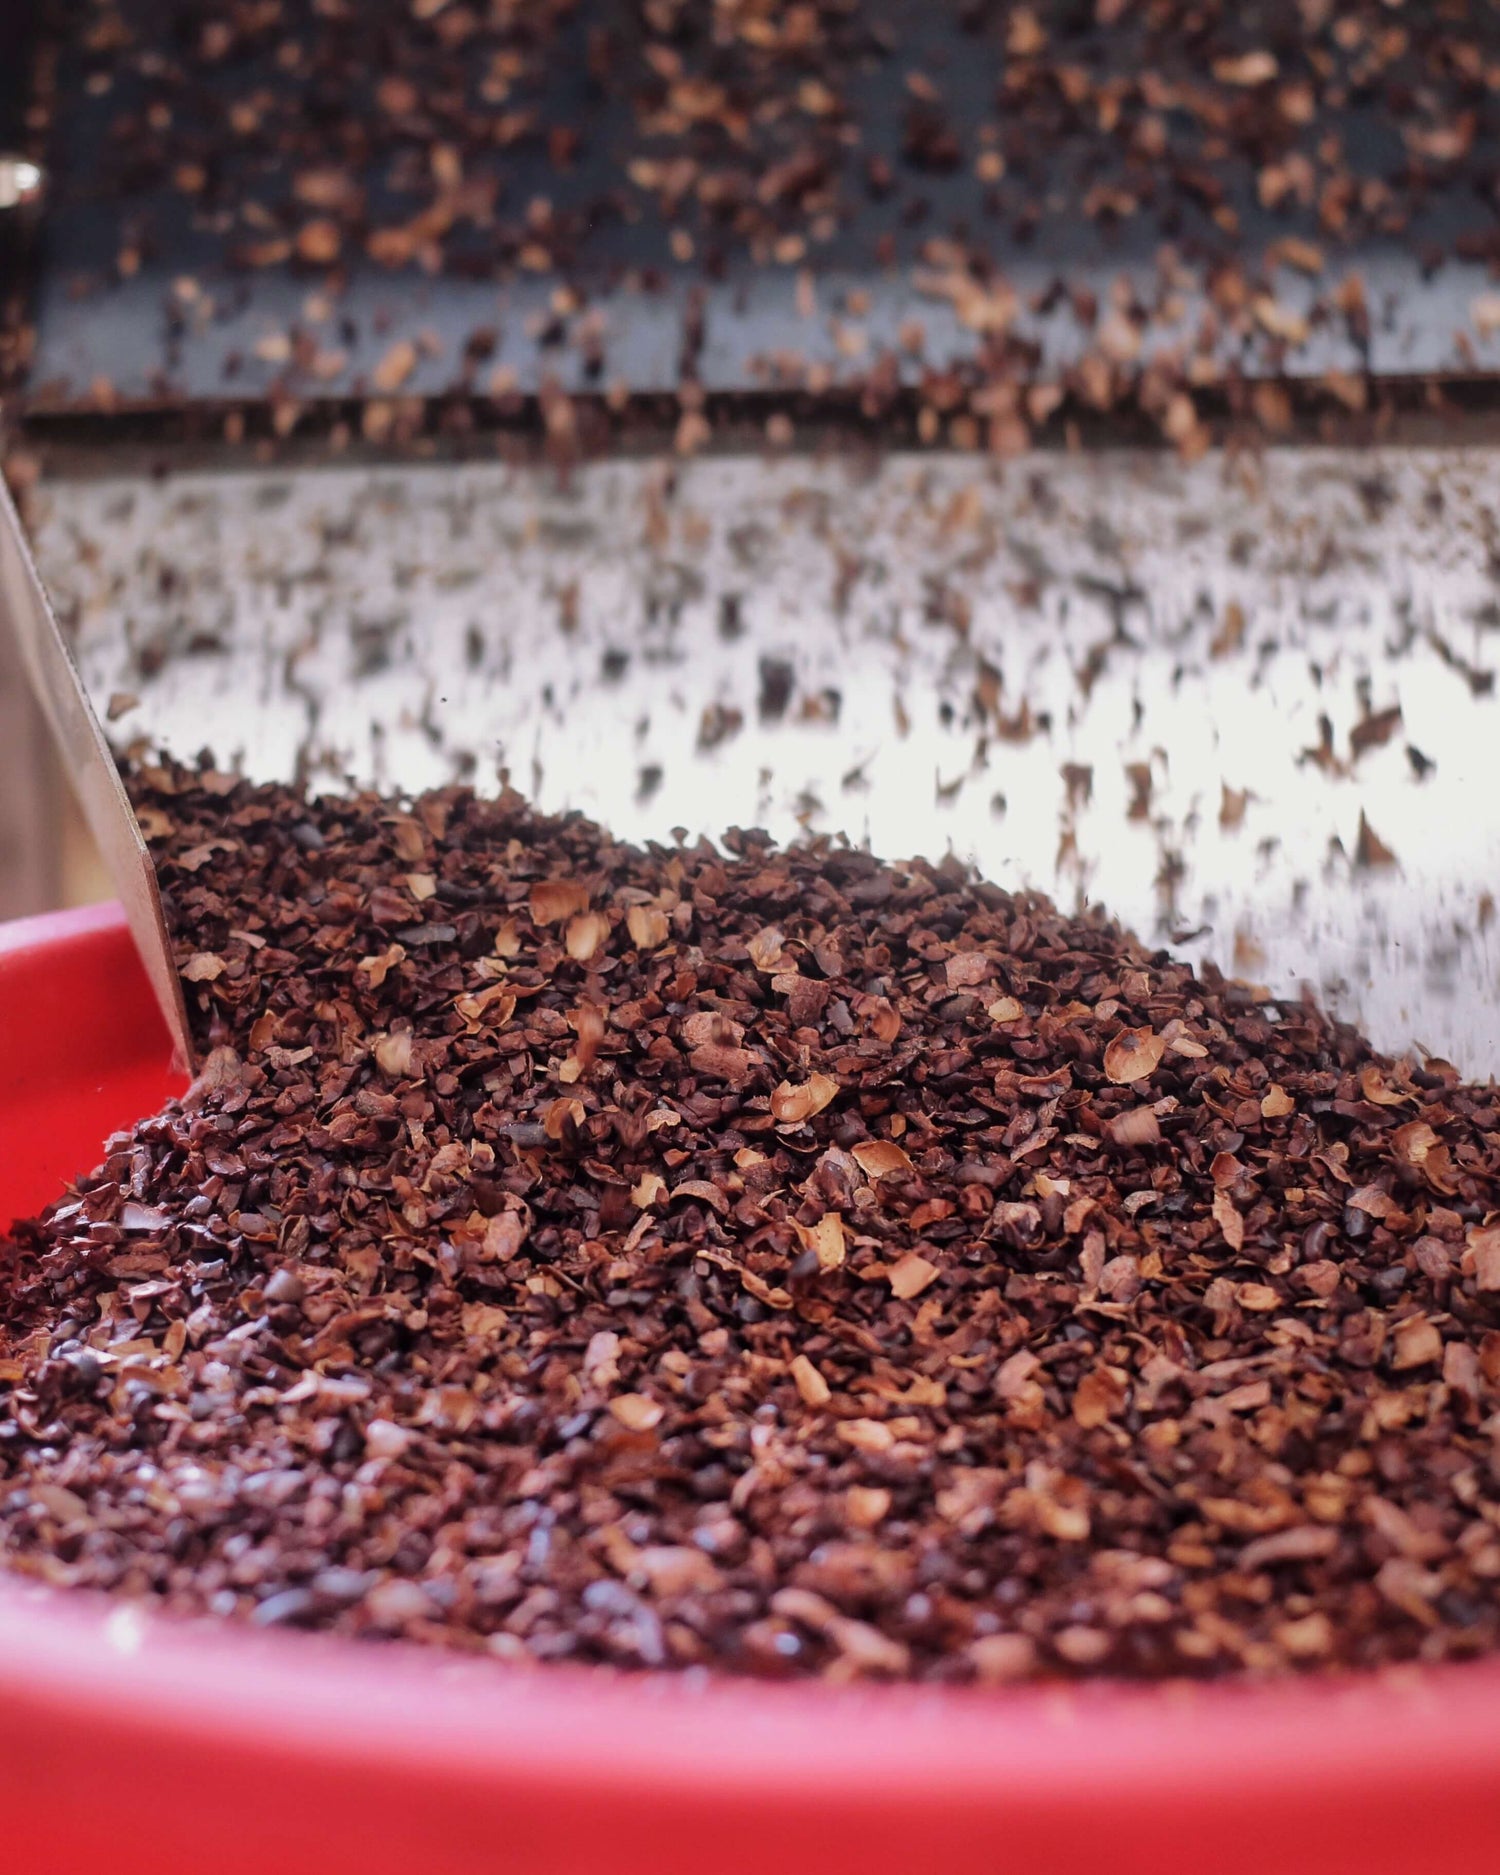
(776,1261)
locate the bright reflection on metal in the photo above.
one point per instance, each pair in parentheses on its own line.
(1169,690)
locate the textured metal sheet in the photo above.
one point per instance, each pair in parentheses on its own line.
(186,325)
(1113,677)
(27,622)
(29,831)
(1423,326)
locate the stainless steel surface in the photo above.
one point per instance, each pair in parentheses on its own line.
(29,845)
(27,622)
(162,280)
(761,331)
(1113,677)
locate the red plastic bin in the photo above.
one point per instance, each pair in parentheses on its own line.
(83,1051)
(153,1747)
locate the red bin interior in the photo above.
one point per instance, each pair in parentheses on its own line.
(83,1051)
(160,1748)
